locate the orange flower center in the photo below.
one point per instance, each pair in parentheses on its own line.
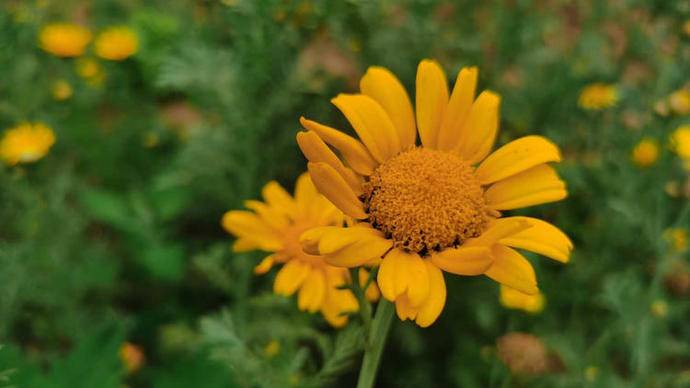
(426,200)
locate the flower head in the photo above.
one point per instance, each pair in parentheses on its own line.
(433,207)
(514,299)
(91,71)
(679,102)
(26,143)
(64,39)
(598,96)
(275,226)
(523,353)
(61,90)
(677,239)
(680,143)
(132,357)
(646,152)
(116,43)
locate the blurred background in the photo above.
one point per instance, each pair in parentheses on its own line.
(147,120)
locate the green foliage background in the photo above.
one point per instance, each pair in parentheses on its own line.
(114,236)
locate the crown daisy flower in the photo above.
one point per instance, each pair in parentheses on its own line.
(436,206)
(598,96)
(64,39)
(26,143)
(275,225)
(116,43)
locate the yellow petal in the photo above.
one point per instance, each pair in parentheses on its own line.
(431,101)
(479,131)
(249,226)
(459,107)
(332,186)
(535,186)
(353,151)
(359,253)
(274,218)
(290,277)
(511,269)
(470,261)
(404,308)
(315,150)
(335,239)
(305,194)
(244,244)
(542,238)
(403,273)
(310,238)
(372,292)
(275,196)
(498,229)
(381,85)
(514,299)
(372,124)
(433,305)
(265,265)
(517,156)
(313,292)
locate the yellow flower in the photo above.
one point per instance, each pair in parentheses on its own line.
(272,349)
(686,27)
(514,299)
(433,207)
(680,142)
(61,90)
(90,70)
(679,102)
(275,226)
(132,357)
(646,152)
(64,39)
(116,43)
(659,308)
(598,96)
(677,238)
(26,143)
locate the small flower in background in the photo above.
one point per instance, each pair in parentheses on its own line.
(659,308)
(91,71)
(661,108)
(591,373)
(61,90)
(514,299)
(679,102)
(116,43)
(677,238)
(425,209)
(64,39)
(272,349)
(646,152)
(677,278)
(680,144)
(275,225)
(523,354)
(686,27)
(132,357)
(26,143)
(598,96)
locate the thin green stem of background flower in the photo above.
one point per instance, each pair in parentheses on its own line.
(375,343)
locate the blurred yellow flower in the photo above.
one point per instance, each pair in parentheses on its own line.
(64,39)
(61,90)
(680,144)
(659,308)
(598,96)
(132,357)
(686,27)
(275,226)
(591,373)
(677,238)
(116,43)
(514,299)
(646,152)
(91,71)
(679,102)
(424,209)
(272,349)
(26,143)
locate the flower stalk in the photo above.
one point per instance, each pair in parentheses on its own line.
(375,343)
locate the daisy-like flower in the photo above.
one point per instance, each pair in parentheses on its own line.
(275,226)
(26,143)
(64,39)
(91,71)
(680,144)
(116,43)
(679,102)
(61,90)
(433,207)
(132,357)
(514,299)
(646,152)
(598,96)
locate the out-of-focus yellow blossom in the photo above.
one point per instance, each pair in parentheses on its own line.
(61,90)
(661,108)
(659,308)
(680,143)
(26,143)
(91,71)
(591,373)
(646,152)
(598,96)
(64,39)
(272,349)
(116,43)
(677,238)
(686,27)
(514,299)
(132,357)
(679,102)
(151,140)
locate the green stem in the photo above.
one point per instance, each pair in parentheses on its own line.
(376,340)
